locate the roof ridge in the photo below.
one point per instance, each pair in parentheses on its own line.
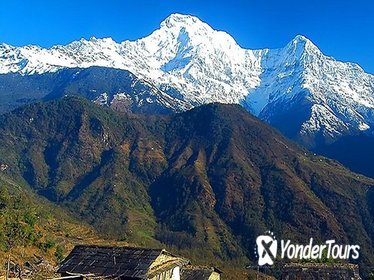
(119,247)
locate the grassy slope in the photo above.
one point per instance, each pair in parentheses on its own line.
(32,226)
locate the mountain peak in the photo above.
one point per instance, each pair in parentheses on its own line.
(301,43)
(190,24)
(179,19)
(301,39)
(181,38)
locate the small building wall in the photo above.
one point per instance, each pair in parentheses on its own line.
(162,259)
(176,273)
(166,267)
(215,276)
(171,274)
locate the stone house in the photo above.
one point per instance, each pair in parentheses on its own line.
(102,262)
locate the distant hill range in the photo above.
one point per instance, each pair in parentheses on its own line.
(206,181)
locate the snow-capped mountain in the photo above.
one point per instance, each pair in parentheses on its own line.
(337,97)
(296,88)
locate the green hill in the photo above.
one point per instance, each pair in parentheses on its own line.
(205,182)
(32,228)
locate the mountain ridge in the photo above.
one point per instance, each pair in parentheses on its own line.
(195,64)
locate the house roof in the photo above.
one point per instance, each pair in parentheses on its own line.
(131,262)
(197,272)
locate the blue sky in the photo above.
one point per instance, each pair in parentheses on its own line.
(343,29)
